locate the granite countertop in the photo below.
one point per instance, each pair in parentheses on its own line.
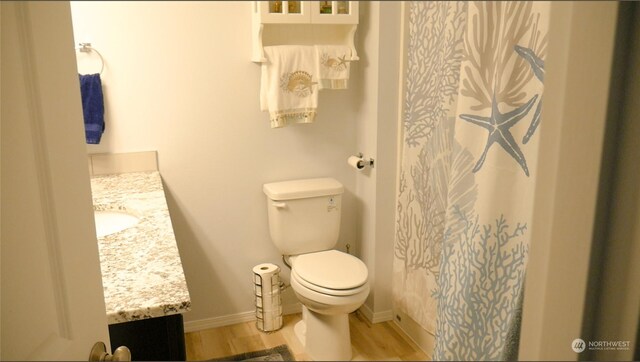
(142,273)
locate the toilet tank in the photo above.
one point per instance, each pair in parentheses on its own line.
(304,215)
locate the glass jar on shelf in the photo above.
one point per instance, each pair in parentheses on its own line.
(325,7)
(343,7)
(275,7)
(294,7)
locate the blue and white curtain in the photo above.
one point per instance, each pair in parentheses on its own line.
(474,76)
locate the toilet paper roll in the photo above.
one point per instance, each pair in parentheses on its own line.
(269,324)
(267,283)
(356,162)
(266,276)
(267,302)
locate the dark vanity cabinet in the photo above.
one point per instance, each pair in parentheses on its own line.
(153,339)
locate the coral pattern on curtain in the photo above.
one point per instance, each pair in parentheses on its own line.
(472,100)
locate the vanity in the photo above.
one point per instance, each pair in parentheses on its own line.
(145,289)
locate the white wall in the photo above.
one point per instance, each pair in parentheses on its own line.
(379,43)
(178,80)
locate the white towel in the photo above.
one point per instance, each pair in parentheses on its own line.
(333,66)
(288,87)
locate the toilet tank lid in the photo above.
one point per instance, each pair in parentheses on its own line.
(301,189)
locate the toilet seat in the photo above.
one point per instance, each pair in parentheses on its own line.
(330,272)
(328,291)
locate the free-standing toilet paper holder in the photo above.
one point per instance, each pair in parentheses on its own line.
(268,298)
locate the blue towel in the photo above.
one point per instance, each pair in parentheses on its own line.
(92,107)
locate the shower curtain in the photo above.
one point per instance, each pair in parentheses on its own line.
(471,109)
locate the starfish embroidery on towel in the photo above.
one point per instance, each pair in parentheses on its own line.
(338,64)
(343,60)
(498,125)
(537,66)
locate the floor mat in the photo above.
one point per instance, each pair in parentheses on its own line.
(279,353)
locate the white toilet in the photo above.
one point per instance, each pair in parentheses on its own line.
(304,223)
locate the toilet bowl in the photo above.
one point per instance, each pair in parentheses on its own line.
(330,285)
(329,282)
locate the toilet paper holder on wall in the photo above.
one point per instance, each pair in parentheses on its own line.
(367,163)
(360,162)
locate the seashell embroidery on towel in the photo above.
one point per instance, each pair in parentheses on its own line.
(298,83)
(338,64)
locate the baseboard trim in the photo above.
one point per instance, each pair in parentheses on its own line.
(200,324)
(422,338)
(376,317)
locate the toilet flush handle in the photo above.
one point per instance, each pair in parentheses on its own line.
(279,205)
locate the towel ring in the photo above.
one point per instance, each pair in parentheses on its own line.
(86,48)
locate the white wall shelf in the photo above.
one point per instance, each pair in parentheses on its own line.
(303,23)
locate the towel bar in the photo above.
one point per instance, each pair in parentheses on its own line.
(87,48)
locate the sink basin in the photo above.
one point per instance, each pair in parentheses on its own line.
(109,221)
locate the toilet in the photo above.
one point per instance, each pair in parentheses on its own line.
(304,224)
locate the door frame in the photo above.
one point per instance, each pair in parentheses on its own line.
(578,71)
